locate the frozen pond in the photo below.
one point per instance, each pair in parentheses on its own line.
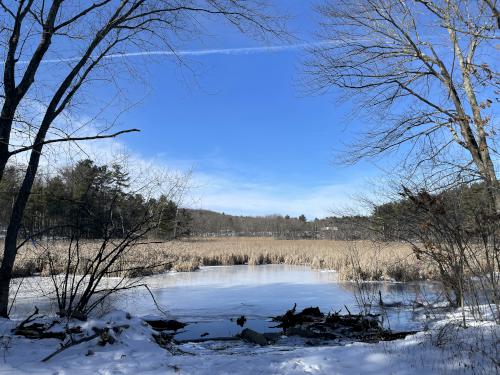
(212,297)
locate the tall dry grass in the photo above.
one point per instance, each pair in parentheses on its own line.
(364,260)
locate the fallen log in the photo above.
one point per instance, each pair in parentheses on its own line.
(253,337)
(38,331)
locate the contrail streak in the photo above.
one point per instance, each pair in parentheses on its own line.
(200,52)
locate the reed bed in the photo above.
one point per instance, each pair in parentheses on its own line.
(361,260)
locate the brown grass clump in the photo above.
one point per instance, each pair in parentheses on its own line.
(364,260)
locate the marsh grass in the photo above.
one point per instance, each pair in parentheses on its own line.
(363,260)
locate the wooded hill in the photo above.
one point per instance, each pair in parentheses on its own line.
(210,223)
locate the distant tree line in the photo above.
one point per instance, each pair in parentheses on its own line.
(87,198)
(210,223)
(392,221)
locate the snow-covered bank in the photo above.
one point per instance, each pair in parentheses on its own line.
(444,349)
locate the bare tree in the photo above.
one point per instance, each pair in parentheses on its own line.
(51,50)
(426,72)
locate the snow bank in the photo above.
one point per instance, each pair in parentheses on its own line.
(446,348)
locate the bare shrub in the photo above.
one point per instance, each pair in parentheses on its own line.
(86,272)
(84,282)
(462,243)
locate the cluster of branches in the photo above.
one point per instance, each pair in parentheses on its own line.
(83,285)
(455,231)
(425,73)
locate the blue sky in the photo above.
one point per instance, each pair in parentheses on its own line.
(257,143)
(234,111)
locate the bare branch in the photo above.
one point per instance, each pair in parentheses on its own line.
(73,139)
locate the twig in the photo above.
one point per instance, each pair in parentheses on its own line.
(15,296)
(154,300)
(98,332)
(28,319)
(70,344)
(348,311)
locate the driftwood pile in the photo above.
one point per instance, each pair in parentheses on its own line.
(309,323)
(312,323)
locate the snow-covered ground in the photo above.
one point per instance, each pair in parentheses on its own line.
(444,349)
(218,293)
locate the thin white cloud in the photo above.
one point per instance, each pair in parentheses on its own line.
(232,195)
(199,52)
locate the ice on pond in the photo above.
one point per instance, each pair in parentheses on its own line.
(212,298)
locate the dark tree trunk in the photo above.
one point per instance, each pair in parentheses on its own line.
(10,246)
(6,119)
(4,158)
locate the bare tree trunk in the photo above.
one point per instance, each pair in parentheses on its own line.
(9,255)
(6,119)
(10,246)
(493,188)
(476,144)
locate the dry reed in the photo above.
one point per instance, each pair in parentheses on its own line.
(364,260)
